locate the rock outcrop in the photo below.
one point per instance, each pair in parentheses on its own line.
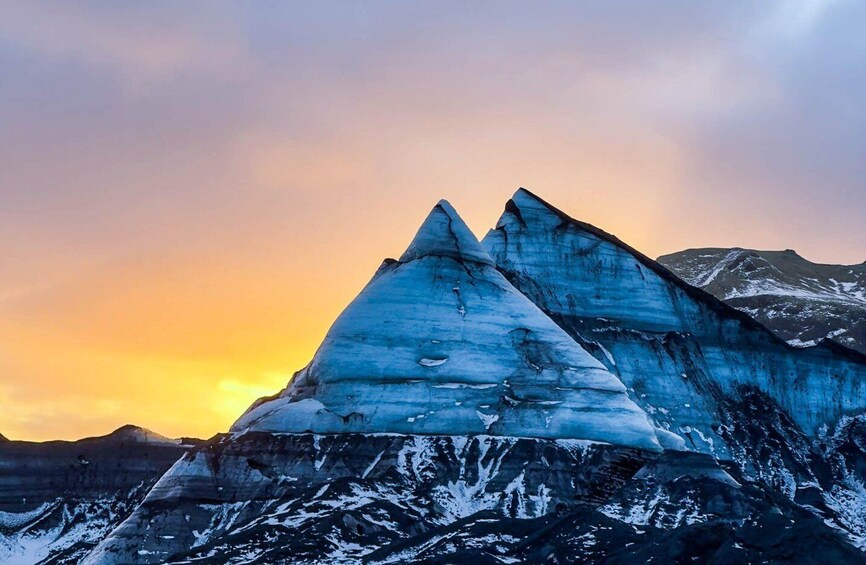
(800,301)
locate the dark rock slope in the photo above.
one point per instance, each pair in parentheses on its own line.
(262,497)
(350,498)
(59,498)
(802,302)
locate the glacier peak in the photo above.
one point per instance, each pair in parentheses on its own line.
(445,234)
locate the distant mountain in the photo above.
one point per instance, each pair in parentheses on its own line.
(59,498)
(802,302)
(549,394)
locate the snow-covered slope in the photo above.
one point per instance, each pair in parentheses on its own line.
(802,302)
(360,498)
(59,498)
(440,343)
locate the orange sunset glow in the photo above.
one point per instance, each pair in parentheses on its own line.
(189,197)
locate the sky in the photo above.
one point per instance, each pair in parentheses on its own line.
(191,192)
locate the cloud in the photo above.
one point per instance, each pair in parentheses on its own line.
(164,38)
(190,193)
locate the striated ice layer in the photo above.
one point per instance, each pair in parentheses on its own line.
(440,343)
(684,356)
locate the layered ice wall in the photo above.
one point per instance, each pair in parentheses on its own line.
(440,343)
(682,353)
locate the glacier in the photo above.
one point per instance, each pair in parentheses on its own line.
(681,352)
(440,343)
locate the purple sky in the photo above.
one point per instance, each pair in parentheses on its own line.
(190,192)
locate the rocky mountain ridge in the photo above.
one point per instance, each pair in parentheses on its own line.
(802,302)
(59,498)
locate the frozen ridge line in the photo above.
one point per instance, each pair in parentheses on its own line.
(477,358)
(682,353)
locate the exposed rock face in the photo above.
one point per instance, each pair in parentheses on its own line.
(356,498)
(802,302)
(336,498)
(58,499)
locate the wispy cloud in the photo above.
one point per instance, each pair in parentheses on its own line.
(190,192)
